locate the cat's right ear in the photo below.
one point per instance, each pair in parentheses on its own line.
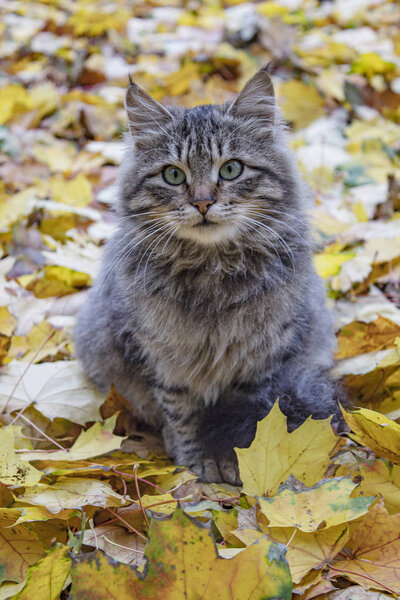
(145,115)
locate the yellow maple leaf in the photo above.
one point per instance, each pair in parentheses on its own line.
(46,578)
(20,547)
(307,551)
(383,477)
(182,563)
(276,454)
(326,504)
(13,470)
(301,103)
(376,431)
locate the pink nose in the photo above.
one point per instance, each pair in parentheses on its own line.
(203,205)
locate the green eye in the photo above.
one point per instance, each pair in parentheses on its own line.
(231,169)
(174,175)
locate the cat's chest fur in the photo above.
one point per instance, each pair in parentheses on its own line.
(208,351)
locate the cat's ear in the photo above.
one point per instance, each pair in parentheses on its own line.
(257,99)
(145,115)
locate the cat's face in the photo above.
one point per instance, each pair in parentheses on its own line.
(209,174)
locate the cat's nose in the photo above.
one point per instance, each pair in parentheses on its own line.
(203,204)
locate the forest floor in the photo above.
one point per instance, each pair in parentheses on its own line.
(75,493)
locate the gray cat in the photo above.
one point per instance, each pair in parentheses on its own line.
(207,307)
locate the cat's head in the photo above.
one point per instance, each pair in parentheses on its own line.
(210,174)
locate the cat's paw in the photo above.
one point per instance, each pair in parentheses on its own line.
(212,470)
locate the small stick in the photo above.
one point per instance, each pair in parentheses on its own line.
(140,479)
(127,524)
(135,466)
(291,538)
(43,433)
(120,545)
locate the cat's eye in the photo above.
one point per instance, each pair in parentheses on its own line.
(174,175)
(231,169)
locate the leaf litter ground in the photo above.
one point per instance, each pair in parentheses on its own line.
(90,508)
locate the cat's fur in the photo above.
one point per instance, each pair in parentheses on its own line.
(202,327)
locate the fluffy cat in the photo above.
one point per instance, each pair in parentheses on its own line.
(207,307)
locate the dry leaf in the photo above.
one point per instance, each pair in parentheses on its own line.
(13,469)
(369,425)
(71,492)
(7,322)
(182,560)
(20,547)
(98,439)
(117,543)
(275,454)
(56,389)
(375,544)
(307,551)
(326,504)
(47,577)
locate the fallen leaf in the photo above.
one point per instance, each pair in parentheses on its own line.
(76,191)
(326,504)
(20,547)
(357,338)
(275,454)
(98,439)
(368,427)
(13,470)
(72,493)
(301,103)
(117,543)
(7,322)
(307,551)
(182,559)
(59,388)
(375,545)
(47,577)
(54,280)
(383,477)
(328,264)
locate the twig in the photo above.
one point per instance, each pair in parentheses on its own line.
(127,524)
(135,466)
(43,433)
(139,479)
(291,538)
(123,484)
(121,546)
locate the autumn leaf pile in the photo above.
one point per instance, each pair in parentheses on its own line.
(90,508)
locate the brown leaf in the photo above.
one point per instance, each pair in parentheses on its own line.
(375,559)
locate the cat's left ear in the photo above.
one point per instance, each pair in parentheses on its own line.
(257,99)
(145,115)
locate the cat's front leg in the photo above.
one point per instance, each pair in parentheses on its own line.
(182,443)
